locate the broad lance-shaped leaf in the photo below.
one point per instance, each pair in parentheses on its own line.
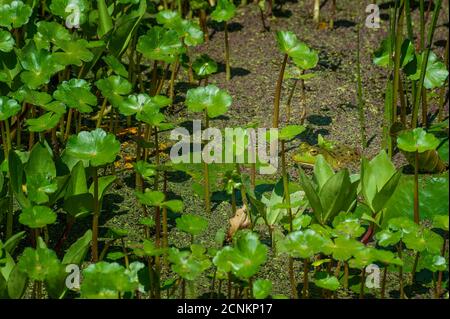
(39,66)
(289,132)
(224,11)
(14,14)
(66,8)
(97,147)
(160,44)
(214,100)
(204,66)
(326,281)
(76,93)
(6,41)
(8,108)
(77,251)
(192,224)
(382,55)
(115,65)
(37,216)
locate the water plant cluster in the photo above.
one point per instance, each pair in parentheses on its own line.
(84,84)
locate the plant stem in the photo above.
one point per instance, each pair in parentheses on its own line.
(227,53)
(345,275)
(206,186)
(414,269)
(69,121)
(305,292)
(416,188)
(363,279)
(289,100)
(292,278)
(95,218)
(362,122)
(276,104)
(102,111)
(172,78)
(333,14)
(383,282)
(402,292)
(443,88)
(397,54)
(425,56)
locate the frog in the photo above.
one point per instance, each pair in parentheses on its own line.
(336,154)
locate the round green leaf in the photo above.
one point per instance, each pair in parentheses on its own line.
(326,281)
(204,66)
(37,216)
(14,14)
(192,224)
(160,44)
(224,11)
(76,94)
(289,132)
(262,288)
(214,100)
(6,41)
(38,264)
(8,108)
(417,140)
(97,147)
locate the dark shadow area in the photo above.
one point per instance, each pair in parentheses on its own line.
(440,43)
(183,87)
(343,23)
(370,140)
(235,71)
(319,120)
(280,13)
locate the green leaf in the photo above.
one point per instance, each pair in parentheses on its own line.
(440,222)
(262,288)
(78,250)
(244,258)
(417,140)
(8,108)
(150,198)
(326,281)
(106,280)
(174,205)
(37,216)
(435,75)
(322,171)
(192,224)
(301,54)
(344,248)
(160,44)
(43,123)
(214,100)
(289,132)
(189,264)
(105,22)
(303,244)
(76,93)
(38,263)
(204,66)
(65,8)
(115,65)
(388,238)
(97,147)
(381,57)
(423,239)
(17,283)
(312,196)
(6,41)
(39,66)
(14,14)
(50,32)
(104,183)
(113,87)
(224,11)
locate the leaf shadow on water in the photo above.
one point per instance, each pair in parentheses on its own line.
(319,120)
(235,71)
(219,27)
(280,13)
(344,23)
